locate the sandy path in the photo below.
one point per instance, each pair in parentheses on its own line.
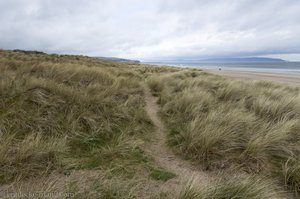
(291,79)
(164,157)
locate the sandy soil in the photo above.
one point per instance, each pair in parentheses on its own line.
(291,79)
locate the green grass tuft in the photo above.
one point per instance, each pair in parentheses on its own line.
(158,174)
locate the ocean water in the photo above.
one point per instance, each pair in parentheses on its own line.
(274,67)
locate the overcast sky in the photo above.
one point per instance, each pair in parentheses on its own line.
(153,29)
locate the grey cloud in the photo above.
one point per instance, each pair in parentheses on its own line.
(156,29)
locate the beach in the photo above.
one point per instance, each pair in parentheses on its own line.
(287,78)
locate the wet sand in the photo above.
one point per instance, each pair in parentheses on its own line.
(291,79)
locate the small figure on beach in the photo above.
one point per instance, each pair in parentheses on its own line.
(220,68)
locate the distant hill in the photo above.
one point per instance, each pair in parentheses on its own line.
(222,60)
(116,59)
(244,59)
(119,59)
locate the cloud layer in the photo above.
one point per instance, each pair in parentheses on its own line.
(156,29)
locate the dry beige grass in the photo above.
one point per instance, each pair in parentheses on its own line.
(232,125)
(79,124)
(69,114)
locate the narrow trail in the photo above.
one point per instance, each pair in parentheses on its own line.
(163,156)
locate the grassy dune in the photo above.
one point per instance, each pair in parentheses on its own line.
(78,124)
(229,125)
(60,115)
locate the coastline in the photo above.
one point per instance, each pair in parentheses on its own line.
(278,75)
(286,78)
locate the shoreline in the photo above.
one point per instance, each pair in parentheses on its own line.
(286,78)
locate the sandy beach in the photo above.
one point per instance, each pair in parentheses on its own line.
(291,79)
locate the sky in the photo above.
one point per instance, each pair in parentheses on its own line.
(154,29)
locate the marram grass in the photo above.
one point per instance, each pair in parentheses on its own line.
(78,124)
(222,123)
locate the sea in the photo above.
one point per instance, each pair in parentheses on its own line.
(268,67)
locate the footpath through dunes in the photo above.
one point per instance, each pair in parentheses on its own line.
(164,157)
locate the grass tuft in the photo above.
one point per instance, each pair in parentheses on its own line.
(158,174)
(231,187)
